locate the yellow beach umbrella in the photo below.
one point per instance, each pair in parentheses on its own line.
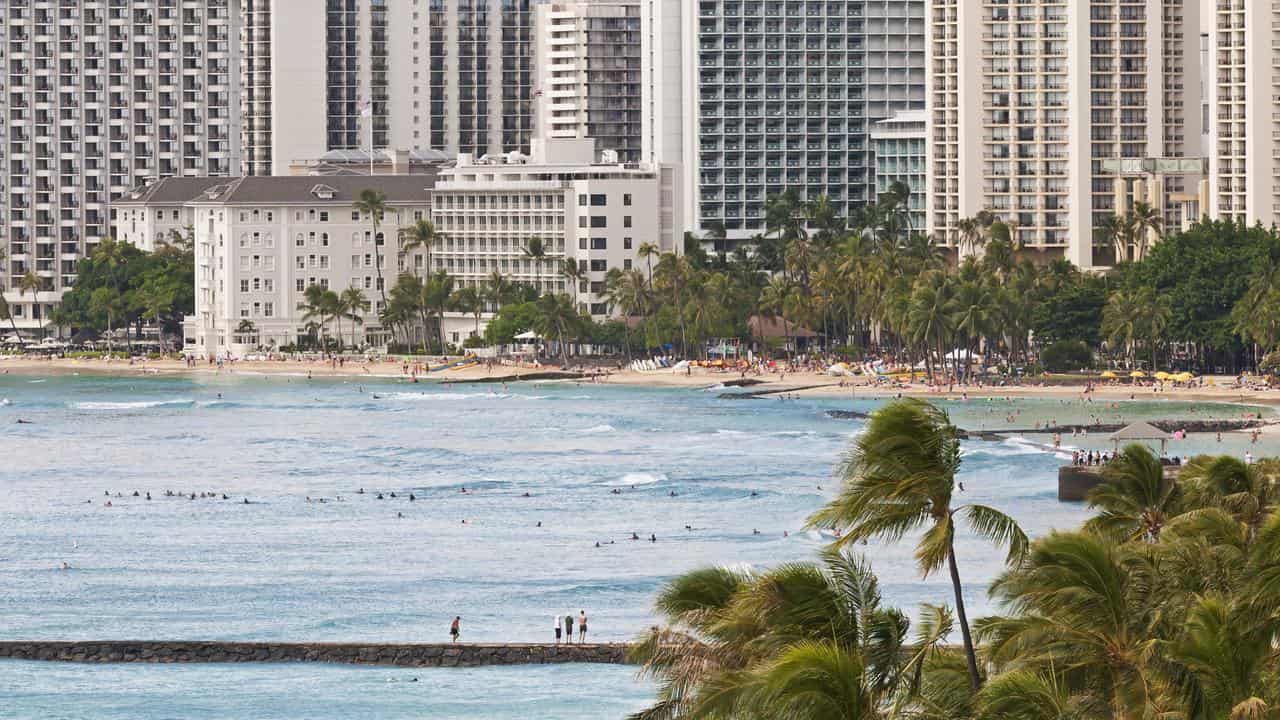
(1184,377)
(1137,374)
(1109,375)
(1162,375)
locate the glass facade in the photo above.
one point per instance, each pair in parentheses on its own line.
(785,101)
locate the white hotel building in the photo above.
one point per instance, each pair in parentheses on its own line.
(260,242)
(597,214)
(1028,99)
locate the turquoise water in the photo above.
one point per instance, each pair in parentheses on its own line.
(700,473)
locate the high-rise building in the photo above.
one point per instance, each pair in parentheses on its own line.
(587,73)
(450,75)
(98,97)
(899,146)
(786,91)
(1242,109)
(1054,114)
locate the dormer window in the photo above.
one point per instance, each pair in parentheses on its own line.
(323,192)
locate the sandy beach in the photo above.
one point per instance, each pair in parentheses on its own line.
(1216,389)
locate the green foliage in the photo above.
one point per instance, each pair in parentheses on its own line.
(510,321)
(1166,604)
(118,284)
(1066,356)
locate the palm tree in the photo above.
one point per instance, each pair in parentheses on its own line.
(1136,498)
(536,250)
(468,300)
(574,275)
(557,317)
(1144,222)
(778,301)
(673,276)
(352,304)
(624,291)
(7,314)
(498,290)
(373,204)
(803,640)
(1082,608)
(899,477)
(647,251)
(421,235)
(30,282)
(1121,321)
(931,316)
(436,294)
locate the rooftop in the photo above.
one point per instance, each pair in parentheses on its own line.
(287,189)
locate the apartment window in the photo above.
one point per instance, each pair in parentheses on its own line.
(244,241)
(268,309)
(599,266)
(269,285)
(300,241)
(582,221)
(355,216)
(300,262)
(582,200)
(324,239)
(324,216)
(355,261)
(582,243)
(257,309)
(599,201)
(626,199)
(626,243)
(599,221)
(300,285)
(626,264)
(244,286)
(257,284)
(598,243)
(626,221)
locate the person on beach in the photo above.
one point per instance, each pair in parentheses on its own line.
(555,622)
(568,626)
(455,628)
(582,626)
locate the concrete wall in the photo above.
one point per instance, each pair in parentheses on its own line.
(434,655)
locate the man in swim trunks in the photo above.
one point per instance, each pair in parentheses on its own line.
(454,628)
(582,626)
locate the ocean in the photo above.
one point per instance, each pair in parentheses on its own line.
(377,511)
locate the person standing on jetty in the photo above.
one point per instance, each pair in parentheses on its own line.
(568,628)
(455,628)
(582,626)
(555,622)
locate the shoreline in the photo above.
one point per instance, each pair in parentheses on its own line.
(802,384)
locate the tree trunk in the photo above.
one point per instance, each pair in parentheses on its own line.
(975,680)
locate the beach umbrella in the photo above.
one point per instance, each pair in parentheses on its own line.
(1109,375)
(1137,374)
(1162,375)
(1184,377)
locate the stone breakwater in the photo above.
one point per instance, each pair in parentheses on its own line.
(401,655)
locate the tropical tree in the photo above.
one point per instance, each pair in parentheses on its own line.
(373,205)
(468,300)
(1136,498)
(352,305)
(422,235)
(557,317)
(899,477)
